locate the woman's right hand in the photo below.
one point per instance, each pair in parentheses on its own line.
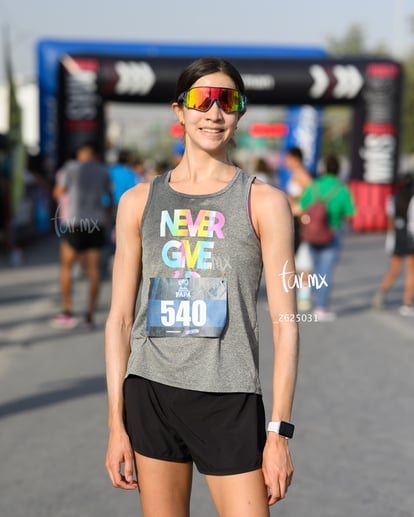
(120,453)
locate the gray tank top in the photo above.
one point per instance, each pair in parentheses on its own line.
(196,325)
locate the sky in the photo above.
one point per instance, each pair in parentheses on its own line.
(251,22)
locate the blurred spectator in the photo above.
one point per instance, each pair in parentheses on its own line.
(400,243)
(263,172)
(30,216)
(123,176)
(125,173)
(138,166)
(298,180)
(81,185)
(158,169)
(5,208)
(340,206)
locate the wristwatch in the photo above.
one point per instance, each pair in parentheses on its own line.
(283,428)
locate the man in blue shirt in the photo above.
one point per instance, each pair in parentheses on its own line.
(123,176)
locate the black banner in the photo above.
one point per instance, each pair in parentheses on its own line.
(371,86)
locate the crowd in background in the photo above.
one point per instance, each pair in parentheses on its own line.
(315,264)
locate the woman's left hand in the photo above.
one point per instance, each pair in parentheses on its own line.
(277,467)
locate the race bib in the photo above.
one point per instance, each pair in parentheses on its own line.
(184,307)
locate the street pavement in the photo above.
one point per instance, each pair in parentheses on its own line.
(353,448)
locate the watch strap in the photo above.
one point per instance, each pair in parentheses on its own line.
(285,429)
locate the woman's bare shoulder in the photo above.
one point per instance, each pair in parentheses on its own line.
(267,194)
(134,196)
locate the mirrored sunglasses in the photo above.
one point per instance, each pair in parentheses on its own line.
(201,98)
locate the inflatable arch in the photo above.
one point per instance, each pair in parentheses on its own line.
(77,78)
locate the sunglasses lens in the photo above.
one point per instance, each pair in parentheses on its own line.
(198,99)
(201,99)
(231,100)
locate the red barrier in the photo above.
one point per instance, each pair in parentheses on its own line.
(370,200)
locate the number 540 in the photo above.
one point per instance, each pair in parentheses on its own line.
(187,313)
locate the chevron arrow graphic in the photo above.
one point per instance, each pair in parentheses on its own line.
(134,78)
(349,81)
(320,81)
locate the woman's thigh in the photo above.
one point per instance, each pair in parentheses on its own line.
(164,487)
(239,495)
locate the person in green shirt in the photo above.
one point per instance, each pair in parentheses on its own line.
(340,206)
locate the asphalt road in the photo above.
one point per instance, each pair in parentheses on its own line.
(353,449)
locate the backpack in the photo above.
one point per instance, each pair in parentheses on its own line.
(314,222)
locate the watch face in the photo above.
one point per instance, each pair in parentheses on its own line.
(286,429)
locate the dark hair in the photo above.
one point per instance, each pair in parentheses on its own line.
(331,164)
(90,146)
(124,156)
(404,195)
(296,152)
(205,66)
(136,159)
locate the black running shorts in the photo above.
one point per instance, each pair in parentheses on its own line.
(81,239)
(223,433)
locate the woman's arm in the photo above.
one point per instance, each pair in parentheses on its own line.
(273,221)
(125,282)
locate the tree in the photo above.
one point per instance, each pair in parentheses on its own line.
(350,44)
(408,100)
